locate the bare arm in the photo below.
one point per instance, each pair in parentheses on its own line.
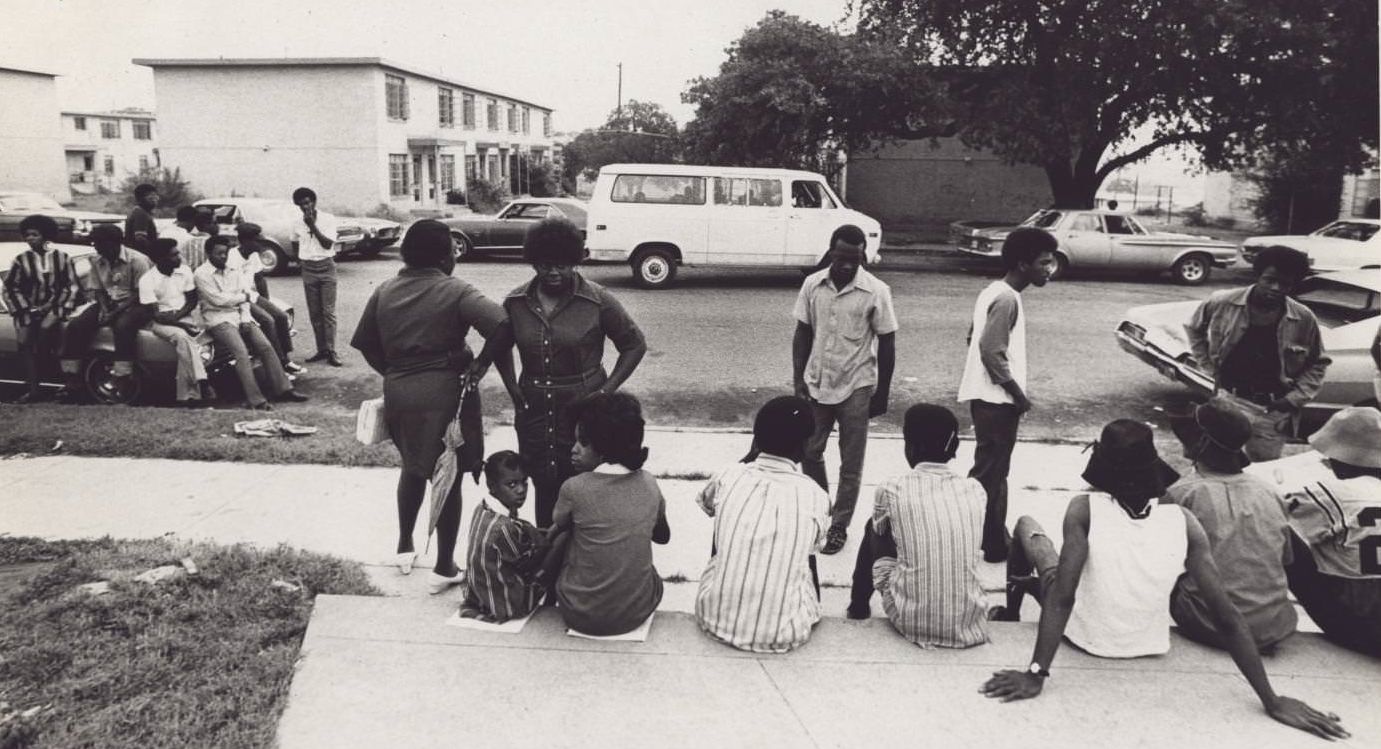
(801,344)
(625,365)
(887,361)
(661,532)
(498,343)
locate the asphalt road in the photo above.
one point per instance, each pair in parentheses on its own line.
(720,340)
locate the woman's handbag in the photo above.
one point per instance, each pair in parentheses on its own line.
(370,428)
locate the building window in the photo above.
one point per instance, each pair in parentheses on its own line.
(396,93)
(88,163)
(398,175)
(142,130)
(79,123)
(471,167)
(143,164)
(467,110)
(446,107)
(546,124)
(527,120)
(110,129)
(512,118)
(448,172)
(110,165)
(493,115)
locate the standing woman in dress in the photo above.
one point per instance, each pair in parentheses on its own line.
(560,323)
(413,333)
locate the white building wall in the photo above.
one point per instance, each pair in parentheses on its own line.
(124,152)
(31,155)
(264,131)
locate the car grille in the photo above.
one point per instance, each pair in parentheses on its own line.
(388,232)
(1133,331)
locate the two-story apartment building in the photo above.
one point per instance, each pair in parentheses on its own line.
(31,134)
(361,131)
(103,148)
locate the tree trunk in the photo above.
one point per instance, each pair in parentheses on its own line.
(1071,188)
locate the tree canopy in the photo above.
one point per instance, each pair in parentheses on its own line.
(638,132)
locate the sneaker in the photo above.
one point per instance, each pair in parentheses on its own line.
(859,610)
(835,538)
(292,367)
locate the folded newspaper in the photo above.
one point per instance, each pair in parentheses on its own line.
(271,428)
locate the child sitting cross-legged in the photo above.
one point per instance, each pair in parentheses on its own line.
(504,552)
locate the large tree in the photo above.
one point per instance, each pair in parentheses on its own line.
(794,94)
(638,132)
(1064,83)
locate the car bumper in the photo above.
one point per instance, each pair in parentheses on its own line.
(993,252)
(1132,339)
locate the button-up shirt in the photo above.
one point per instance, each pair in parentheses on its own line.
(756,592)
(40,284)
(308,246)
(568,341)
(500,570)
(247,267)
(222,295)
(933,595)
(845,324)
(168,292)
(119,278)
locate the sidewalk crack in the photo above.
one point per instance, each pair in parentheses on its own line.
(788,704)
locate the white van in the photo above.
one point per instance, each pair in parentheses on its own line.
(657,217)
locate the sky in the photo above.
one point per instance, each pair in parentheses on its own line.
(560,54)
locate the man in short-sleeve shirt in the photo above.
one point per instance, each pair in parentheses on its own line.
(140,230)
(168,293)
(314,236)
(113,281)
(842,357)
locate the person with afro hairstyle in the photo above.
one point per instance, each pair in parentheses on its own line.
(314,235)
(605,522)
(560,324)
(413,333)
(41,291)
(1262,348)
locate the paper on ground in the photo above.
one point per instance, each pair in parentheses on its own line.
(510,627)
(637,635)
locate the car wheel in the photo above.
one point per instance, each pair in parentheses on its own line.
(104,387)
(1192,270)
(369,251)
(1061,266)
(463,246)
(654,269)
(275,260)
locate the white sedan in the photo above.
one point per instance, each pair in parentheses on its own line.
(1342,245)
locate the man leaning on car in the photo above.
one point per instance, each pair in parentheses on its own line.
(1262,348)
(114,282)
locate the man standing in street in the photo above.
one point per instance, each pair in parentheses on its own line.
(1262,348)
(140,230)
(994,381)
(314,235)
(842,357)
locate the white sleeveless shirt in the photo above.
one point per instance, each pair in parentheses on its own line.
(976,383)
(1122,605)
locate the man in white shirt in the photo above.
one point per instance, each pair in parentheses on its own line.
(181,229)
(244,258)
(314,235)
(168,294)
(994,382)
(225,304)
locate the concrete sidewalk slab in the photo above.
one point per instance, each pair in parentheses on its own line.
(388,672)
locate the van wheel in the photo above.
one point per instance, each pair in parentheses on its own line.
(1192,270)
(654,269)
(275,260)
(104,387)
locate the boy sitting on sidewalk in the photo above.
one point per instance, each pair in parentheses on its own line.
(921,548)
(504,551)
(1122,553)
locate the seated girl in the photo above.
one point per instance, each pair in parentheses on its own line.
(504,552)
(607,517)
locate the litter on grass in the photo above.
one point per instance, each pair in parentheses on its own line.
(271,428)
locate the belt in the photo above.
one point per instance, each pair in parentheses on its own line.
(1260,399)
(564,381)
(316,263)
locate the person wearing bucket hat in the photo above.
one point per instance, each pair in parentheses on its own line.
(1335,572)
(413,333)
(1122,553)
(1247,530)
(561,321)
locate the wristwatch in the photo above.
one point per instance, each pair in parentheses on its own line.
(1035,669)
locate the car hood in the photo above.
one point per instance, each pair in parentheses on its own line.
(1164,324)
(367,222)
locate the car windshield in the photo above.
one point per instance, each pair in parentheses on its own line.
(225,214)
(1353,230)
(19,202)
(1043,219)
(1338,304)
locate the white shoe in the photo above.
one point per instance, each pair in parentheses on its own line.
(440,583)
(406,561)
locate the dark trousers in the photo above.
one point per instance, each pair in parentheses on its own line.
(547,487)
(275,325)
(38,341)
(319,286)
(241,341)
(125,326)
(1347,610)
(873,548)
(995,431)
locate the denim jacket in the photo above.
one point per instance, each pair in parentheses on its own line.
(1221,321)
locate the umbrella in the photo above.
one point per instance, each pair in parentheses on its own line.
(447,469)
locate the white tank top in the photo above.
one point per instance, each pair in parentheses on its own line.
(1122,606)
(977,384)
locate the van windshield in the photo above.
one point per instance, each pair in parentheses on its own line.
(658,188)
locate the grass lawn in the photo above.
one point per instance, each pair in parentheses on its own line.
(194,661)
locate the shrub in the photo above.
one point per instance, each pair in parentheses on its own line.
(1194,215)
(455,196)
(173,191)
(1225,222)
(486,196)
(543,180)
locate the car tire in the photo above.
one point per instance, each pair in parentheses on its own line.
(275,260)
(654,269)
(369,252)
(1192,270)
(1061,266)
(102,386)
(463,247)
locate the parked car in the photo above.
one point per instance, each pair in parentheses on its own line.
(658,217)
(1347,304)
(155,360)
(1342,245)
(504,232)
(365,236)
(1109,239)
(74,227)
(277,218)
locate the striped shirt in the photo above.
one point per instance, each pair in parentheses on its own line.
(500,566)
(931,592)
(756,593)
(38,285)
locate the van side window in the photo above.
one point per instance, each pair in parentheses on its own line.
(654,188)
(809,194)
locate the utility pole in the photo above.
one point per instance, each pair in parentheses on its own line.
(618,106)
